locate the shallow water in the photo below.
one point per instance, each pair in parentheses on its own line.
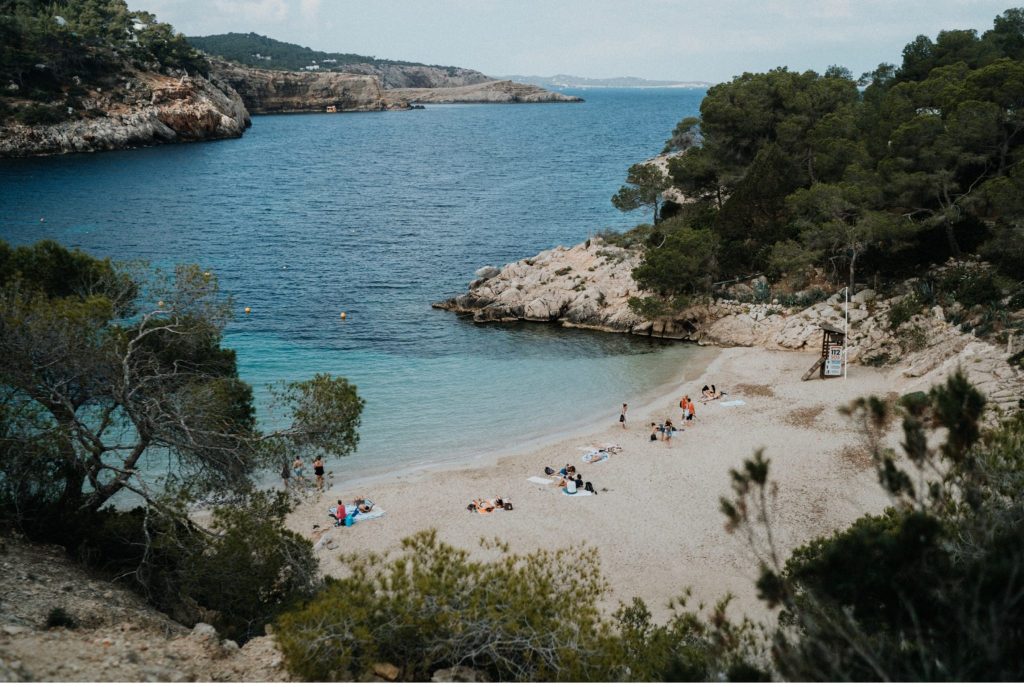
(378,215)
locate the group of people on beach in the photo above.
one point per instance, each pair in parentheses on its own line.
(298,468)
(344,517)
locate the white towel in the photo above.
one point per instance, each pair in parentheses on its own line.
(729,404)
(540,480)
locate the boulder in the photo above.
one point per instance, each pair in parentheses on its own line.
(386,670)
(487,272)
(459,674)
(204,632)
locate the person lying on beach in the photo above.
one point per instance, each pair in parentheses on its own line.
(364,504)
(710,393)
(482,506)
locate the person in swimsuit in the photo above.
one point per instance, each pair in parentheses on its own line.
(654,432)
(669,429)
(299,468)
(286,472)
(691,412)
(622,415)
(318,470)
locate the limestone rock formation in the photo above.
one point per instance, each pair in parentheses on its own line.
(148,109)
(117,638)
(487,92)
(589,286)
(266,91)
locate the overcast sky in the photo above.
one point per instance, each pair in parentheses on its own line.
(707,40)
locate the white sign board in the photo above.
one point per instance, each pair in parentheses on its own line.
(835,352)
(833,368)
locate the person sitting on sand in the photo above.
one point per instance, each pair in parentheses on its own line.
(339,514)
(570,486)
(654,432)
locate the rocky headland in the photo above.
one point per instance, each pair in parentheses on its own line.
(143,108)
(269,91)
(589,286)
(486,92)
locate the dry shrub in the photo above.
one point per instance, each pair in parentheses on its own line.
(856,457)
(762,390)
(804,417)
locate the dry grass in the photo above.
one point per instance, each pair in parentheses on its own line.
(762,390)
(805,418)
(856,457)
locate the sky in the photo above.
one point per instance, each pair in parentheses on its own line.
(707,40)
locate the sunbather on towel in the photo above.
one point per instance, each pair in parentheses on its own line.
(364,504)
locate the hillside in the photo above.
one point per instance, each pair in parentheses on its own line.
(89,75)
(254,50)
(569,81)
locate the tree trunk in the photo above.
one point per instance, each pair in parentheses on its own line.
(655,211)
(954,247)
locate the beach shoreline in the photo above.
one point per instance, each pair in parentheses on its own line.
(655,520)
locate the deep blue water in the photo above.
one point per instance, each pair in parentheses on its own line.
(378,215)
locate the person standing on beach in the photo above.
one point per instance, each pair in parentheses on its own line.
(669,429)
(691,412)
(318,470)
(300,469)
(286,472)
(622,415)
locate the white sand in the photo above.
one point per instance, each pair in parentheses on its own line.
(658,526)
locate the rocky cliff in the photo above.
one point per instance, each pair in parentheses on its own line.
(266,91)
(145,108)
(589,286)
(418,75)
(107,633)
(487,92)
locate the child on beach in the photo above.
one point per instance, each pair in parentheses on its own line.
(669,430)
(654,432)
(622,415)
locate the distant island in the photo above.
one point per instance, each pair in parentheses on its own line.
(569,81)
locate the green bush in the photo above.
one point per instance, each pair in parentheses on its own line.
(970,286)
(36,114)
(516,617)
(903,310)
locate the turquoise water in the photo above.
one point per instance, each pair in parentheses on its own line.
(378,215)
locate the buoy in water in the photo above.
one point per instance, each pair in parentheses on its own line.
(248,310)
(159,304)
(344,315)
(42,219)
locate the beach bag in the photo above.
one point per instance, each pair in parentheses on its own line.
(590,487)
(508,505)
(350,519)
(549,471)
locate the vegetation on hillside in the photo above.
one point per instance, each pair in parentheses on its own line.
(255,50)
(907,166)
(116,390)
(52,52)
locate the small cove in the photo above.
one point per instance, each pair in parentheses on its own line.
(378,215)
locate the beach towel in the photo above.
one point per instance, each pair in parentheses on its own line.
(580,492)
(540,480)
(730,404)
(595,457)
(356,515)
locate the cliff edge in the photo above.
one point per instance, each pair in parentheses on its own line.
(589,286)
(486,92)
(269,91)
(143,108)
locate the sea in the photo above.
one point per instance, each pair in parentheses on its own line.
(378,215)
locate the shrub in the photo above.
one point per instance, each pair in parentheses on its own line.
(515,617)
(58,617)
(531,617)
(970,286)
(37,113)
(903,310)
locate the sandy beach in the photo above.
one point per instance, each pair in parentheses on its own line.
(656,519)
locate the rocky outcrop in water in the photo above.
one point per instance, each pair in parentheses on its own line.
(146,108)
(589,286)
(267,91)
(487,92)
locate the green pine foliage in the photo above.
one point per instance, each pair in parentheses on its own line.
(244,48)
(880,176)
